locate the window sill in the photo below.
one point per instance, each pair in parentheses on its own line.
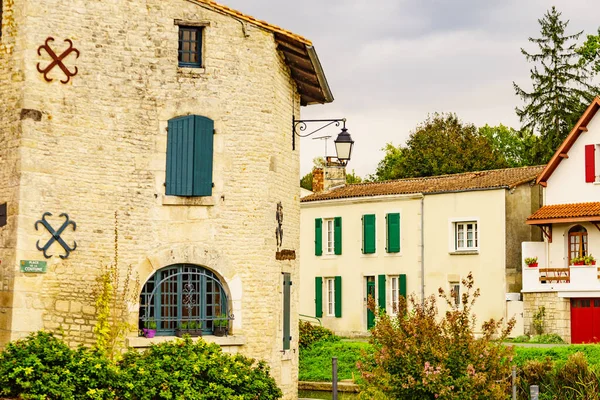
(142,342)
(188,201)
(190,71)
(463,252)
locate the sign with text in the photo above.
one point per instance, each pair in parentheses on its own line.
(33,266)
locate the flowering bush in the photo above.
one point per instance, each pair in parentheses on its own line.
(310,334)
(419,356)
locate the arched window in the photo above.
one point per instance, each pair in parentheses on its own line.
(578,242)
(182,293)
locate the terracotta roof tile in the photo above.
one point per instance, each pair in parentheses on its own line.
(497,178)
(566,211)
(257,22)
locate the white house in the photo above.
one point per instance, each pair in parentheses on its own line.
(389,239)
(570,221)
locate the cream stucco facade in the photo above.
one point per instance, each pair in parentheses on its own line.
(428,224)
(97,145)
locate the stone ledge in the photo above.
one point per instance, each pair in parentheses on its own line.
(188,201)
(223,341)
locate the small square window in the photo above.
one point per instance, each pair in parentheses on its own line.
(466,236)
(190,46)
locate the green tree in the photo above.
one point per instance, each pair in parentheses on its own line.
(352,178)
(590,52)
(441,145)
(519,148)
(561,89)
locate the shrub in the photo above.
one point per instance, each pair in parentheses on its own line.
(310,334)
(418,356)
(182,369)
(538,320)
(549,338)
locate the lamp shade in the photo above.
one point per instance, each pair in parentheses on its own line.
(343,145)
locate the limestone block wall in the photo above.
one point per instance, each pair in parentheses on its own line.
(11,100)
(558,313)
(100,147)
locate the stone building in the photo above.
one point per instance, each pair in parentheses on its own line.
(413,236)
(175,114)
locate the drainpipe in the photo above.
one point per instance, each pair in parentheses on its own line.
(422,249)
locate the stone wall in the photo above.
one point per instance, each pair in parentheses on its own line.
(521,202)
(11,102)
(558,313)
(100,148)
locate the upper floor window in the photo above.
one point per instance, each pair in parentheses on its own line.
(331,234)
(578,242)
(182,294)
(189,156)
(466,236)
(392,233)
(329,239)
(190,46)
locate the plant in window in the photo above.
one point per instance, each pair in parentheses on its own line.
(577,260)
(531,261)
(589,260)
(149,328)
(221,325)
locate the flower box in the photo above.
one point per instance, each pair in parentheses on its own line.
(192,332)
(532,265)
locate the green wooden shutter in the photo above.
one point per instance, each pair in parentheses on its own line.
(369,234)
(403,285)
(337,235)
(381,292)
(287,285)
(180,156)
(318,237)
(338,296)
(203,156)
(393,233)
(318,297)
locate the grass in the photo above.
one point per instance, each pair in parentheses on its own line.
(315,362)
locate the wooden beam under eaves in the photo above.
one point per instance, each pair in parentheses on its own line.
(547,231)
(563,155)
(583,128)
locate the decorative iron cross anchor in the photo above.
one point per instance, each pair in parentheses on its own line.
(57,60)
(56,235)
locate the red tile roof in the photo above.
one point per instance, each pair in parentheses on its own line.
(492,179)
(558,213)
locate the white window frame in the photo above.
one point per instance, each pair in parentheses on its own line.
(329,233)
(394,293)
(455,226)
(330,296)
(455,286)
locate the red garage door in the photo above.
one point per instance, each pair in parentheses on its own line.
(585,320)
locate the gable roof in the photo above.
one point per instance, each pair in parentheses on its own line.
(299,53)
(480,180)
(563,149)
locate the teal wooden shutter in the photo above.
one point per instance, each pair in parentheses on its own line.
(318,297)
(381,292)
(318,237)
(203,156)
(287,285)
(338,296)
(180,156)
(337,235)
(393,233)
(403,285)
(369,234)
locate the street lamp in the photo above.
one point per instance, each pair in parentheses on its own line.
(343,143)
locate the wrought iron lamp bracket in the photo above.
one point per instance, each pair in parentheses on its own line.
(301,125)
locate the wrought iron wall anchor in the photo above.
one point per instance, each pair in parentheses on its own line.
(57,60)
(56,235)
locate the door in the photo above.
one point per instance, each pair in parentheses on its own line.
(585,320)
(370,292)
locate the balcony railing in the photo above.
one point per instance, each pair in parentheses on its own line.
(572,278)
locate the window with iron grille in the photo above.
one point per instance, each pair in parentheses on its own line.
(182,293)
(190,46)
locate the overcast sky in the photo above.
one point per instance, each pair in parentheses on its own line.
(390,63)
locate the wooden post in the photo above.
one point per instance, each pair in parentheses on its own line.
(334,378)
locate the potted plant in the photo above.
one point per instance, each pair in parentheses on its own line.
(220,326)
(182,329)
(531,262)
(195,328)
(577,260)
(149,328)
(589,260)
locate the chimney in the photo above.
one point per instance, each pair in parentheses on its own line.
(317,181)
(334,176)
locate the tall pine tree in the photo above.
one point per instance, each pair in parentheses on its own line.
(561,88)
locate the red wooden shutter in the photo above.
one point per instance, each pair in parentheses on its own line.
(590,163)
